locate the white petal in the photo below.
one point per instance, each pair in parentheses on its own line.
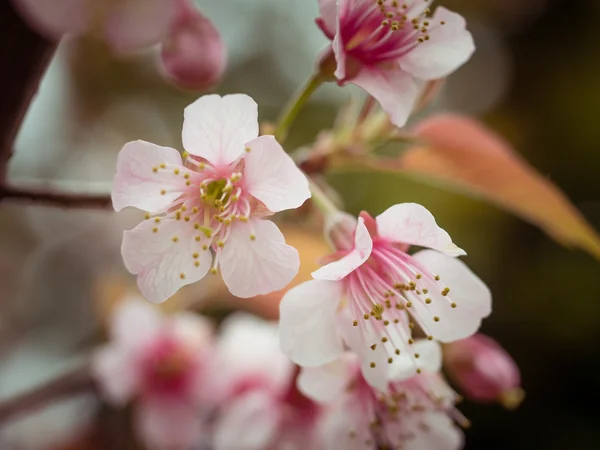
(429,360)
(132,25)
(249,349)
(140,181)
(472,297)
(394,89)
(308,332)
(439,433)
(164,260)
(165,423)
(326,383)
(115,372)
(449,47)
(337,270)
(135,322)
(250,423)
(272,176)
(347,425)
(410,223)
(218,128)
(258,265)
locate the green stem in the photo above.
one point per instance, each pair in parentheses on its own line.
(297,102)
(320,199)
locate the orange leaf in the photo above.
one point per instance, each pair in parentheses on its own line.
(463,153)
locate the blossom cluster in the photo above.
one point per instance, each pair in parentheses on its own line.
(356,359)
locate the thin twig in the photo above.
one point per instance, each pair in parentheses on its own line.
(55,198)
(71,383)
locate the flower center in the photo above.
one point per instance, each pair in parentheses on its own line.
(216,193)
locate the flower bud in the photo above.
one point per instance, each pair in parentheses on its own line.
(193,55)
(484,371)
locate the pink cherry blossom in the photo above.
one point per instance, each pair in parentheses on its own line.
(160,362)
(254,386)
(127,25)
(484,371)
(375,293)
(217,199)
(412,414)
(193,54)
(388,47)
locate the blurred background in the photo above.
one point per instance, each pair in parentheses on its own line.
(534,79)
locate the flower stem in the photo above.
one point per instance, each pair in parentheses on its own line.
(295,105)
(321,200)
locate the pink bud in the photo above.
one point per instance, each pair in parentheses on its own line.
(193,55)
(484,371)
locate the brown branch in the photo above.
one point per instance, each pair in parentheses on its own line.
(55,198)
(71,383)
(25,56)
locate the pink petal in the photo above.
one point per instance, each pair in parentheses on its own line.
(449,47)
(272,176)
(164,260)
(165,423)
(250,423)
(347,425)
(328,17)
(337,270)
(472,297)
(394,89)
(249,350)
(134,323)
(56,18)
(308,333)
(339,51)
(410,223)
(439,433)
(140,181)
(132,25)
(218,128)
(115,374)
(256,260)
(193,54)
(326,383)
(430,360)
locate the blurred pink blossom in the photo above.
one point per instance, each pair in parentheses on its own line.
(193,54)
(373,290)
(412,413)
(161,363)
(259,405)
(389,47)
(127,25)
(218,198)
(484,371)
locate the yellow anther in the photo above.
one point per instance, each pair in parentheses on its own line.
(445,291)
(182,275)
(186,176)
(157,219)
(155,230)
(390,360)
(428,301)
(205,247)
(436,319)
(163,192)
(372,365)
(453,305)
(355,323)
(213,270)
(384,339)
(221,244)
(176,171)
(163,166)
(175,239)
(146,216)
(252,237)
(197,238)
(397,351)
(197,263)
(155,169)
(248,149)
(195,255)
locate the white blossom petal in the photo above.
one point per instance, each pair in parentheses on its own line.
(337,270)
(165,256)
(471,296)
(272,176)
(256,260)
(218,128)
(140,180)
(308,332)
(410,223)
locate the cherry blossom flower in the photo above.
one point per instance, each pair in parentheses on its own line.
(127,25)
(160,363)
(254,384)
(388,47)
(411,414)
(217,199)
(374,293)
(484,371)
